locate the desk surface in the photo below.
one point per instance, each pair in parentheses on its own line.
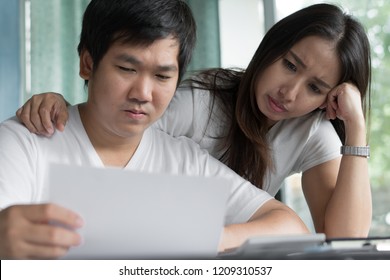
(313,247)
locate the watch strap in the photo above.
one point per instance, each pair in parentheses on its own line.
(363,151)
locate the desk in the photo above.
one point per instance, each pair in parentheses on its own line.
(312,247)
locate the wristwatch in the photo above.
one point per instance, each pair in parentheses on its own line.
(355,151)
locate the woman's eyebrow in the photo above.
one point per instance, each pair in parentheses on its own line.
(300,62)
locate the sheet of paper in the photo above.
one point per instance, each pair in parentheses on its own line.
(139,215)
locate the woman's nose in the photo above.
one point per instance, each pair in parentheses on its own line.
(290,90)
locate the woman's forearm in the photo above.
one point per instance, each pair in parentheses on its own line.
(349,211)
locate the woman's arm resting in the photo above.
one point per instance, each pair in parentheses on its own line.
(273,218)
(339,197)
(43,113)
(338,192)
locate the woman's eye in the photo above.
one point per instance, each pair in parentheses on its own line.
(314,88)
(289,65)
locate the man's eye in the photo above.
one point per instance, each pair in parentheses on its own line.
(162,77)
(125,69)
(289,65)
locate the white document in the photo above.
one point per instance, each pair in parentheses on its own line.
(131,215)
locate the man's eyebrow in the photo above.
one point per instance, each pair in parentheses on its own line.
(133,60)
(300,62)
(128,58)
(167,68)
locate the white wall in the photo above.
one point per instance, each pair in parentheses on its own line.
(241,30)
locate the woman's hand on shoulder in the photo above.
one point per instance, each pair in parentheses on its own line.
(43,113)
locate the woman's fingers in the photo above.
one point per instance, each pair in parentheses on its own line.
(41,111)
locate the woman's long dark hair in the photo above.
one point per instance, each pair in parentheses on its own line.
(246,148)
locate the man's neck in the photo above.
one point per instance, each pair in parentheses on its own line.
(113,150)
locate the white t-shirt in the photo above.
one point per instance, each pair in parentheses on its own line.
(297,144)
(24,160)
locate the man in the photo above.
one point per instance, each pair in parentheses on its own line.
(132,57)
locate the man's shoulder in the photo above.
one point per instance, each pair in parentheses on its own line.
(175,155)
(13,125)
(11,120)
(173,142)
(181,148)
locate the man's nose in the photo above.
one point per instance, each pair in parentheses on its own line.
(142,89)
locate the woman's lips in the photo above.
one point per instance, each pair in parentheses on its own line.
(276,106)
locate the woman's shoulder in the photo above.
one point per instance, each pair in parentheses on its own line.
(305,125)
(313,119)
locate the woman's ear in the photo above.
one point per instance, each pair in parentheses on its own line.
(86,65)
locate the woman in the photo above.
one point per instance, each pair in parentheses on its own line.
(272,120)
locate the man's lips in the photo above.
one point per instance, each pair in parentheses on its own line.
(276,106)
(135,114)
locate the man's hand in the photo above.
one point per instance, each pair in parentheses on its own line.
(43,231)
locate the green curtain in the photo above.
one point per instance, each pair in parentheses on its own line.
(55,31)
(10,60)
(207,52)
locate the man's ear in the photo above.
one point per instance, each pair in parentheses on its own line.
(86,65)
